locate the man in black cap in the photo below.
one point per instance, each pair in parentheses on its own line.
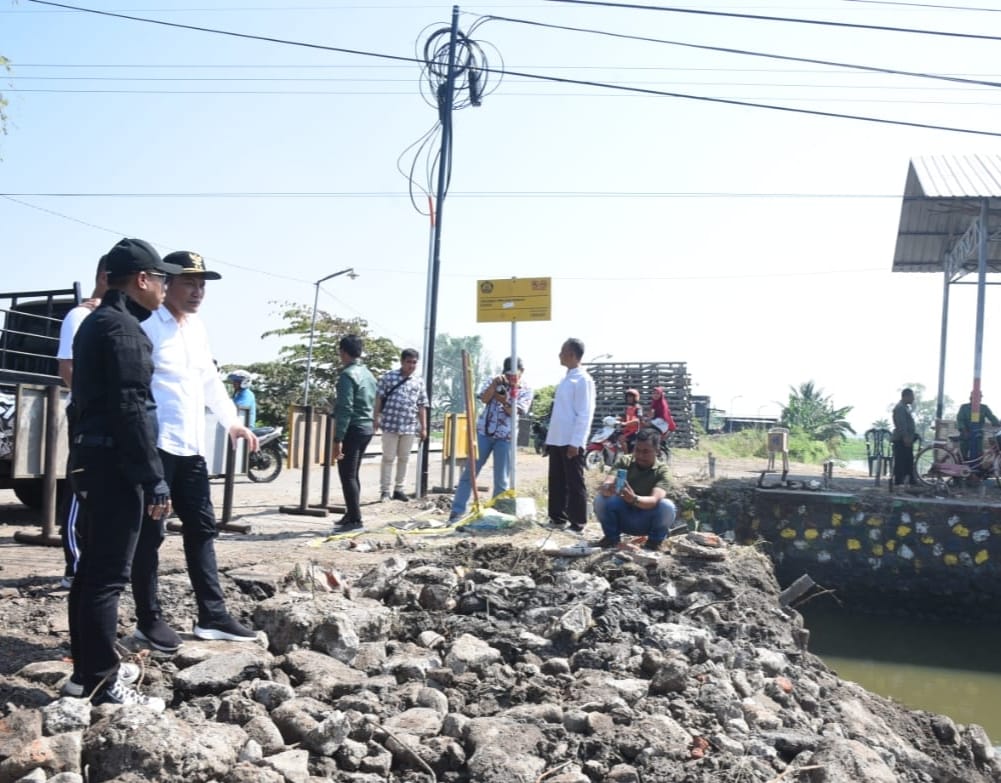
(114,467)
(185,383)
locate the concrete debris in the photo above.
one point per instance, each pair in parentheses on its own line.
(495,664)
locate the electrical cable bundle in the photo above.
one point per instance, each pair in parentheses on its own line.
(472,78)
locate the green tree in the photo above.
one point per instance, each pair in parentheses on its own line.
(542,402)
(276,385)
(285,378)
(446,385)
(882,424)
(810,411)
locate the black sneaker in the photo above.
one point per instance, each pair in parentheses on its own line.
(346,525)
(401,496)
(159,636)
(653,546)
(604,543)
(225,629)
(120,693)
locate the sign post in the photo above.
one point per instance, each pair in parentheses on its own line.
(509,301)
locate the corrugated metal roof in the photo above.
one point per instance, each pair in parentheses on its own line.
(942,195)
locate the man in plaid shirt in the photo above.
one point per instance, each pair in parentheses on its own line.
(401,412)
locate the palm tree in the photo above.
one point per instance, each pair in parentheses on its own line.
(812,412)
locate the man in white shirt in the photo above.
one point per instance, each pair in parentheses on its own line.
(185,382)
(569,423)
(72,527)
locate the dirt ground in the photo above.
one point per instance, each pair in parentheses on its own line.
(277,541)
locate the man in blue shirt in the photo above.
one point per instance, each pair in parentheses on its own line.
(243,397)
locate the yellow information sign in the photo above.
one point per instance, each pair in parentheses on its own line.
(514,299)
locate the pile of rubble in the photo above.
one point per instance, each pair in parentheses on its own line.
(498,664)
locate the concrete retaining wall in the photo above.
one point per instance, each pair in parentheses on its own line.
(888,553)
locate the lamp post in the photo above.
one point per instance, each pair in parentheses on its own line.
(601,356)
(350,272)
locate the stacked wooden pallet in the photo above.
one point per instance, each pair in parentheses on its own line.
(611,379)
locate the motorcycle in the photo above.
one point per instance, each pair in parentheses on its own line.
(266,463)
(540,428)
(603,447)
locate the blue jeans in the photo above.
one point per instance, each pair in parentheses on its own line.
(616,517)
(485,445)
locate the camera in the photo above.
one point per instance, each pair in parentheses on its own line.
(502,389)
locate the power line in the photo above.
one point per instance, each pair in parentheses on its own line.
(294,80)
(120,233)
(556,79)
(471,275)
(229,33)
(377,66)
(763,18)
(499,194)
(811,99)
(750,53)
(925,5)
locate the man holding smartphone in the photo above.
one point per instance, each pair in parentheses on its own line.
(503,396)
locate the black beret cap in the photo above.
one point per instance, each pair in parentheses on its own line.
(191,264)
(134,255)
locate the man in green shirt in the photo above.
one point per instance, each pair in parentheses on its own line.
(971,433)
(352,427)
(640,507)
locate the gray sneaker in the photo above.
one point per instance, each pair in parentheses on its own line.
(128,673)
(119,693)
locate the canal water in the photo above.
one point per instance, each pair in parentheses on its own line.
(948,668)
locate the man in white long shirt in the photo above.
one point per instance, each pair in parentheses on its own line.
(569,423)
(185,382)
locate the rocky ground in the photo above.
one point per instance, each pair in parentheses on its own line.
(415,654)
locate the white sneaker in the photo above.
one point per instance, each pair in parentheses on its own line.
(128,673)
(120,693)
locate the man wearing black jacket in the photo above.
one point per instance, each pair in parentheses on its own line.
(114,466)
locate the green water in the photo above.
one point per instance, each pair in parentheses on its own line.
(948,668)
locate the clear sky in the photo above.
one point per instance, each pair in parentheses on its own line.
(753,244)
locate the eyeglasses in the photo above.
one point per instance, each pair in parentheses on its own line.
(159,276)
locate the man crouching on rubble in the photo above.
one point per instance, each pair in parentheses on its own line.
(640,506)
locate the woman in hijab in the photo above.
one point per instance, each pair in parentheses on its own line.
(662,418)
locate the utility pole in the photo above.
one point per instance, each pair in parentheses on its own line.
(445,98)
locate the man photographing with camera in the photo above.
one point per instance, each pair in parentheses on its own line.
(503,396)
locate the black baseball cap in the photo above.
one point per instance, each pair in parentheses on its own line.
(191,264)
(135,255)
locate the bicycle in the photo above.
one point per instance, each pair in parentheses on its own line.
(942,464)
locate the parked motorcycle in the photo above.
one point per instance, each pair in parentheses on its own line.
(266,463)
(603,447)
(540,428)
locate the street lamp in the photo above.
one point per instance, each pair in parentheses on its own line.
(601,356)
(350,272)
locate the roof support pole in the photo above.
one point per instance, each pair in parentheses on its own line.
(943,341)
(978,348)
